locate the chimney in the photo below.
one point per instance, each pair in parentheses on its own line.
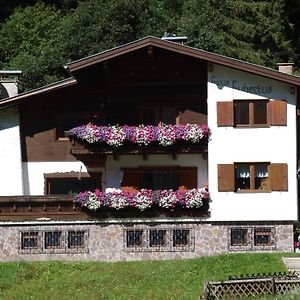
(285,68)
(9,83)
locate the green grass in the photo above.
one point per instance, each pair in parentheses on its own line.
(179,279)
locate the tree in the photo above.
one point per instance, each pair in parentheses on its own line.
(29,42)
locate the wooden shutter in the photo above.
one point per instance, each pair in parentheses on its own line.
(225,115)
(131,178)
(226,178)
(192,117)
(187,178)
(278,177)
(277,114)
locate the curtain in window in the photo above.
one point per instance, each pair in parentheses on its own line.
(243,171)
(261,171)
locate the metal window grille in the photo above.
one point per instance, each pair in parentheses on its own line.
(238,236)
(251,238)
(29,241)
(157,238)
(264,238)
(52,239)
(134,238)
(77,240)
(180,237)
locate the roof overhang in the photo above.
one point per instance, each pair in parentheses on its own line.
(78,65)
(185,50)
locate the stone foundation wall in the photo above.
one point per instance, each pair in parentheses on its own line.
(118,242)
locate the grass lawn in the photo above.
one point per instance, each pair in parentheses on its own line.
(180,279)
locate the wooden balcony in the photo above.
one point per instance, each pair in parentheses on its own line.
(62,207)
(80,148)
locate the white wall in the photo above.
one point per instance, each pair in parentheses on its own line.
(34,181)
(113,167)
(276,144)
(10,153)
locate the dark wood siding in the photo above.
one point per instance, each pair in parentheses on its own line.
(279,177)
(277,113)
(117,90)
(225,115)
(226,178)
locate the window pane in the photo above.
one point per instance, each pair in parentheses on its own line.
(60,186)
(157,238)
(262,236)
(260,112)
(160,180)
(180,237)
(52,239)
(261,177)
(238,236)
(134,238)
(242,177)
(242,113)
(29,240)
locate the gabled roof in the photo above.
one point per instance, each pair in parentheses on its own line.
(163,44)
(185,50)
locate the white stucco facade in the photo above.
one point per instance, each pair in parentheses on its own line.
(34,180)
(276,144)
(114,174)
(10,153)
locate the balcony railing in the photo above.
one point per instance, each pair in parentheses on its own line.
(97,205)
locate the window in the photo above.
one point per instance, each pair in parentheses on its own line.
(238,237)
(251,238)
(252,177)
(157,238)
(134,238)
(262,236)
(29,240)
(62,185)
(250,113)
(159,179)
(180,237)
(52,239)
(77,240)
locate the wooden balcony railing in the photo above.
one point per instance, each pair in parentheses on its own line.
(62,207)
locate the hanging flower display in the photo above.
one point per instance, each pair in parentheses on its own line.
(165,135)
(142,199)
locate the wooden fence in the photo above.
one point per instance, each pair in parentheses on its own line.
(232,289)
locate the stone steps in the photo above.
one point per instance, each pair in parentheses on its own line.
(293,264)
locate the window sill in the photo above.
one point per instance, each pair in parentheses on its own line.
(253,126)
(252,191)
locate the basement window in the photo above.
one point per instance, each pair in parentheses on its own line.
(29,241)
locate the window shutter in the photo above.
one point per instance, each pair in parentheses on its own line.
(279,177)
(131,178)
(277,114)
(192,117)
(187,178)
(226,178)
(225,113)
